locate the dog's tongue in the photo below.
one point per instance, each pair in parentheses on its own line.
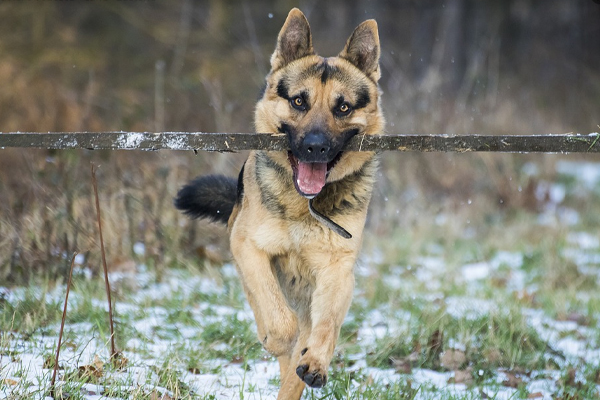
(311,177)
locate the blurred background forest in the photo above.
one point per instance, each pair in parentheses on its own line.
(455,66)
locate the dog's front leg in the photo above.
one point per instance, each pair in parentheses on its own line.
(277,325)
(330,302)
(291,386)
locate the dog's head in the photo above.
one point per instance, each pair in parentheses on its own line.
(321,103)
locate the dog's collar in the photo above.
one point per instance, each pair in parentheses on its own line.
(327,222)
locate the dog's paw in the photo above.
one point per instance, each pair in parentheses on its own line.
(280,338)
(313,373)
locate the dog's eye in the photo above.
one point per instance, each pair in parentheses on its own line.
(344,109)
(298,103)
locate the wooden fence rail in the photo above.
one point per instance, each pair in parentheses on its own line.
(225,142)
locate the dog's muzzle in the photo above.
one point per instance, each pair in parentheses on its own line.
(311,161)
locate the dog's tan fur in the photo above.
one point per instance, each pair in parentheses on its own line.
(298,274)
(296,271)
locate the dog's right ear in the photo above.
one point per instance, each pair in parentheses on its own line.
(294,40)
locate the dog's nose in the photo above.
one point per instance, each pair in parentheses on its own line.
(315,147)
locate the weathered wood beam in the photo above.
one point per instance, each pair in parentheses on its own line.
(224,142)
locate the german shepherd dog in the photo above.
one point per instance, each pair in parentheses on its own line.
(295,263)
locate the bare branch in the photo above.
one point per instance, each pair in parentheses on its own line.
(113,350)
(60,332)
(225,142)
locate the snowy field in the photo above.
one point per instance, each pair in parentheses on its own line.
(514,319)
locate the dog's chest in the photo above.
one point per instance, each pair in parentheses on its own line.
(295,279)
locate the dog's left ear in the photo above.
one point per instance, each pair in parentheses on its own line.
(362,49)
(294,40)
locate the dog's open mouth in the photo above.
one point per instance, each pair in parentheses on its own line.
(309,177)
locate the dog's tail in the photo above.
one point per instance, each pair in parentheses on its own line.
(211,197)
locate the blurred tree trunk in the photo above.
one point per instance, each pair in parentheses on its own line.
(422,40)
(446,64)
(453,46)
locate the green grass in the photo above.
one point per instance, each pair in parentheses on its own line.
(506,334)
(34,311)
(231,339)
(350,386)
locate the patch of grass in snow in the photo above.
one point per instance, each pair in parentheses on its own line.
(231,339)
(195,360)
(498,339)
(565,287)
(169,377)
(70,390)
(34,309)
(357,385)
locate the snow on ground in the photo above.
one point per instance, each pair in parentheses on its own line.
(25,373)
(23,360)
